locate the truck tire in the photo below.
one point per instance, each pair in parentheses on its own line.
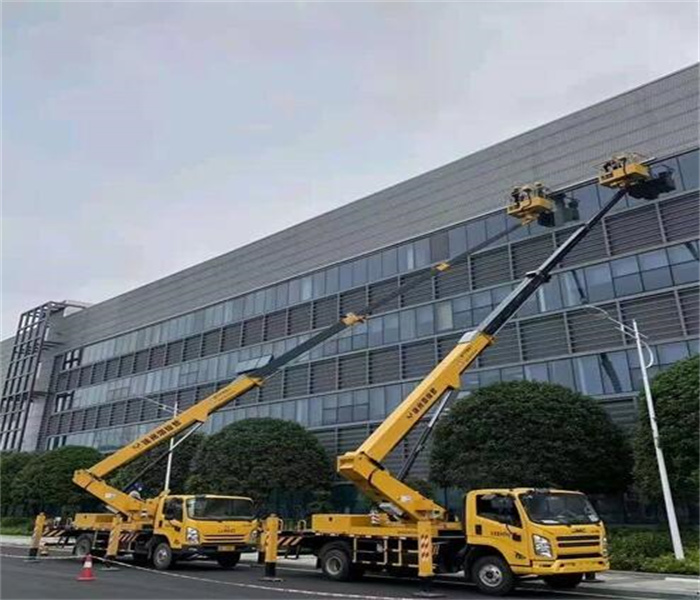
(228,560)
(492,575)
(83,545)
(336,563)
(162,556)
(567,581)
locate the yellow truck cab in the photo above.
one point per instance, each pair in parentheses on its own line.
(184,527)
(524,532)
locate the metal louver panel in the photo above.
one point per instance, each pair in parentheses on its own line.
(590,248)
(111,370)
(173,354)
(350,438)
(353,301)
(211,342)
(657,316)
(157,357)
(384,365)
(418,359)
(446,344)
(623,411)
(530,254)
(252,331)
(453,281)
(300,318)
(690,305)
(681,218)
(118,414)
(272,389)
(296,381)
(423,292)
(590,331)
(633,229)
(85,373)
(103,415)
(505,349)
(231,337)
(543,337)
(352,371)
(490,268)
(276,325)
(325,312)
(133,410)
(193,347)
(323,376)
(98,369)
(382,289)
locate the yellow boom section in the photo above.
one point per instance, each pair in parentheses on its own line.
(363,466)
(92,479)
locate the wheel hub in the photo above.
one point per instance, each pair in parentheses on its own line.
(334,565)
(491,575)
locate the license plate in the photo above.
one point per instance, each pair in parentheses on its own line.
(227,548)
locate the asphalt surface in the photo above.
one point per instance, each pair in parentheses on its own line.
(55,577)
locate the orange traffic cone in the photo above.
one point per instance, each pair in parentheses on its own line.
(86,574)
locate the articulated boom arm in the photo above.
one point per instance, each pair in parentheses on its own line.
(363,466)
(93,480)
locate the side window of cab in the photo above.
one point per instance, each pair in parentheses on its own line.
(498,507)
(172,509)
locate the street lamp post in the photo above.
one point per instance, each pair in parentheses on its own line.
(644,364)
(171,447)
(169,464)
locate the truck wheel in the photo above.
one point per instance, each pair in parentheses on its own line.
(83,545)
(335,562)
(567,581)
(493,576)
(228,560)
(162,556)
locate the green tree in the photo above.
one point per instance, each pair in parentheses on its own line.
(153,479)
(11,463)
(525,433)
(279,464)
(45,483)
(676,394)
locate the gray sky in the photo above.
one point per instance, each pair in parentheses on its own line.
(142,138)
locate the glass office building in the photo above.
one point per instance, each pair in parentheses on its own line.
(86,377)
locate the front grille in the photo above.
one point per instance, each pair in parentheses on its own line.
(566,542)
(223,539)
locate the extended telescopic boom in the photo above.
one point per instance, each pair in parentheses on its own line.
(363,466)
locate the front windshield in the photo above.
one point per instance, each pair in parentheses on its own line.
(552,508)
(205,508)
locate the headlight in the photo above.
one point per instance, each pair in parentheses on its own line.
(253,536)
(604,545)
(542,546)
(192,536)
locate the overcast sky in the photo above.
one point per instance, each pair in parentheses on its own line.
(142,138)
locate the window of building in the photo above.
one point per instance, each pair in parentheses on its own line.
(626,277)
(390,262)
(359,272)
(443,311)
(391,328)
(536,372)
(319,284)
(345,276)
(689,168)
(424,321)
(421,249)
(406,258)
(598,282)
(476,233)
(616,372)
(376,404)
(684,262)
(374,267)
(457,239)
(408,324)
(294,292)
(332,280)
(588,377)
(573,287)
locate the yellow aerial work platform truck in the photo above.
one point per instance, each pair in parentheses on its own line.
(505,534)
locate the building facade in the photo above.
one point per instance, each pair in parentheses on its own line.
(90,376)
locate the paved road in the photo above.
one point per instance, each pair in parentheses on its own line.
(55,578)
